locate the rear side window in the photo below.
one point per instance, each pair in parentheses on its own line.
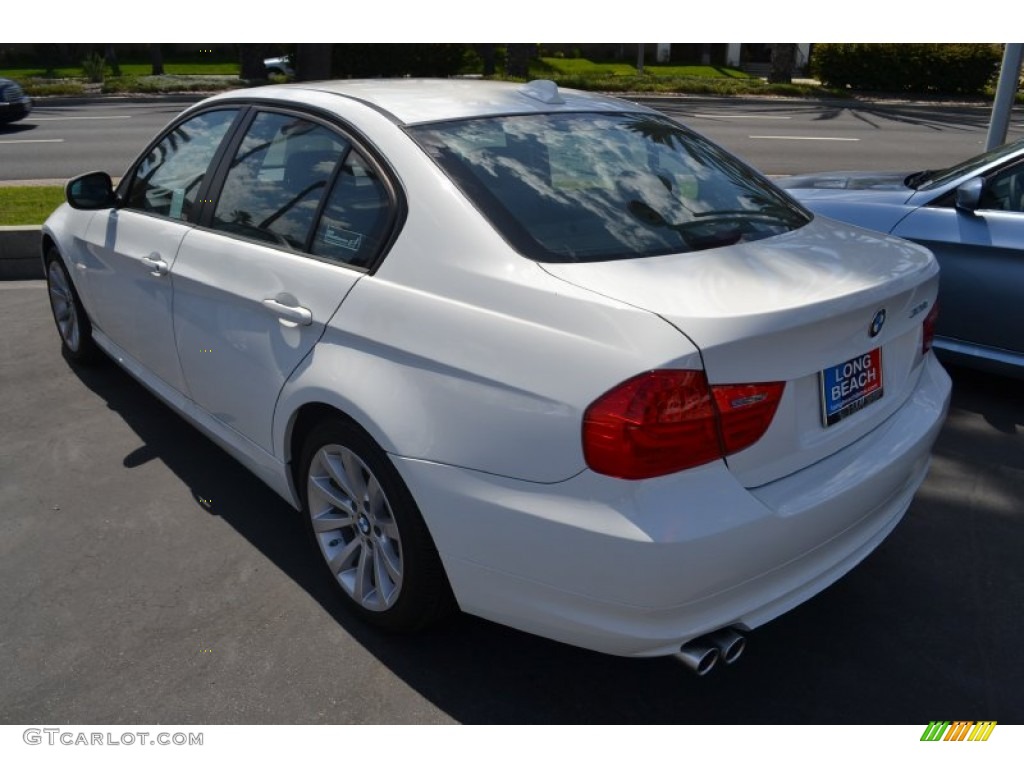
(168,180)
(355,220)
(276,180)
(592,187)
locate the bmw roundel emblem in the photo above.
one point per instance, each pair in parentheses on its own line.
(876,323)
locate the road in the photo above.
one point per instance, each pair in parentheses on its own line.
(788,136)
(777,136)
(58,142)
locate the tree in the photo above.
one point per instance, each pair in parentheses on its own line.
(110,56)
(252,56)
(156,58)
(488,54)
(313,61)
(519,55)
(783,63)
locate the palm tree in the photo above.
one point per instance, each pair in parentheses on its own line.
(313,61)
(783,63)
(156,58)
(252,55)
(519,55)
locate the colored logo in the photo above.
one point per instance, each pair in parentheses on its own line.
(958,730)
(876,323)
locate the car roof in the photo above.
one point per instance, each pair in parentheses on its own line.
(409,101)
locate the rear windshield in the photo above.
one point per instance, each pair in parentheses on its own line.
(595,187)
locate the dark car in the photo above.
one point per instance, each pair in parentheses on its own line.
(14,104)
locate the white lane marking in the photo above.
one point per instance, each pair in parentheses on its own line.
(17,285)
(743,117)
(804,138)
(31,141)
(93,117)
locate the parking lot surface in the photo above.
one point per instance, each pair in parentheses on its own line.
(146,577)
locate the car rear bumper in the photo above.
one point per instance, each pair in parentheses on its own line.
(640,568)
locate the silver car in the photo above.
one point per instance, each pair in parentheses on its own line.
(971,216)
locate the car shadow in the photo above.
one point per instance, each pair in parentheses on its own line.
(886,644)
(997,399)
(13,129)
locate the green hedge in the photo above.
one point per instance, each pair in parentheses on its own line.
(916,67)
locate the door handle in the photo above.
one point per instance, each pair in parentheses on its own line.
(155,265)
(298,315)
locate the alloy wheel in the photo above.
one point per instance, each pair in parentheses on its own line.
(62,301)
(354,525)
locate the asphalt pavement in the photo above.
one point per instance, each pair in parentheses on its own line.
(148,578)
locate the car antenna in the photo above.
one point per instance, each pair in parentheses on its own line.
(545,91)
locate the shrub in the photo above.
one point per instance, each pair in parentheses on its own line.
(906,67)
(95,68)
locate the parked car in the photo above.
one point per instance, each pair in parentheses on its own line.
(972,217)
(546,356)
(279,65)
(14,104)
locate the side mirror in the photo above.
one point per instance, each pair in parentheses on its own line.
(91,192)
(968,194)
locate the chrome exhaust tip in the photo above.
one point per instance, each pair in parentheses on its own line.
(699,655)
(730,644)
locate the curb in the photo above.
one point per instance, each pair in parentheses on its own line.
(190,97)
(19,253)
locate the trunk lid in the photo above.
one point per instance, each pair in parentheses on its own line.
(787,309)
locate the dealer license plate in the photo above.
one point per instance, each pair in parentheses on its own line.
(851,386)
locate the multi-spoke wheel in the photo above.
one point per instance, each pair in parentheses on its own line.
(72,322)
(368,530)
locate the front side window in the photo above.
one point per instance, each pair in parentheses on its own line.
(168,180)
(592,187)
(1004,191)
(276,180)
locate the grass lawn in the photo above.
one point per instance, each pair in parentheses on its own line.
(582,67)
(127,68)
(24,206)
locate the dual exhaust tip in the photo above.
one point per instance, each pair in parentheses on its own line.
(702,654)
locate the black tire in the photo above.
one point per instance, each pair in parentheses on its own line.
(72,322)
(368,532)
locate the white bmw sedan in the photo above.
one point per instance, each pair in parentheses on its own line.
(547,357)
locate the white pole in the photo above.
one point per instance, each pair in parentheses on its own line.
(1005,91)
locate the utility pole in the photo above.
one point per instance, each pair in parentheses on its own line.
(1005,91)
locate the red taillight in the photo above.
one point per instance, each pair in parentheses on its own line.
(669,420)
(746,411)
(928,335)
